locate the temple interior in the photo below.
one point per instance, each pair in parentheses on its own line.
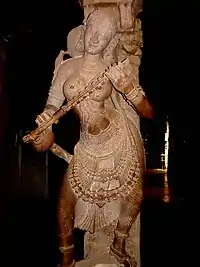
(32,35)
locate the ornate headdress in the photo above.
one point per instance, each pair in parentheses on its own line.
(127,9)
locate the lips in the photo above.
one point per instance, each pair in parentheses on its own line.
(94,44)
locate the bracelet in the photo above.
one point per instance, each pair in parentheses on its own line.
(121,235)
(135,95)
(64,249)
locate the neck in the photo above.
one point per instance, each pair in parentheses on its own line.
(92,59)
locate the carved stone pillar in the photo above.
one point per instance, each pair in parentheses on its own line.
(126,9)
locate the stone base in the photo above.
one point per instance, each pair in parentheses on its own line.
(97,247)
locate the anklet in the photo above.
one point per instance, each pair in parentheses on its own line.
(121,235)
(64,249)
(135,95)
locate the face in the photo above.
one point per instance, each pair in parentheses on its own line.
(100,29)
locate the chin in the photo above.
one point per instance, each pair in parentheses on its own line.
(93,51)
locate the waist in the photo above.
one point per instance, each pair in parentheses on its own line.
(115,126)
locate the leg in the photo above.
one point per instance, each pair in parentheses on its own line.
(67,203)
(130,207)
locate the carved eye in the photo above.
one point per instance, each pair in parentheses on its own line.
(99,88)
(71,87)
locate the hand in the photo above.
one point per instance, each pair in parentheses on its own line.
(44,141)
(121,76)
(43,117)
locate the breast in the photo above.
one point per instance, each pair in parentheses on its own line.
(102,92)
(73,86)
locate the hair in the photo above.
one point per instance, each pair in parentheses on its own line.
(104,15)
(75,39)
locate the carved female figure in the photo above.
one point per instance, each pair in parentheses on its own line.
(103,183)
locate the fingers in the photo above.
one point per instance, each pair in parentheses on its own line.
(125,67)
(124,63)
(39,139)
(114,73)
(43,117)
(39,120)
(110,74)
(117,71)
(121,72)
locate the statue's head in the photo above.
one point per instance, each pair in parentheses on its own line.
(101,27)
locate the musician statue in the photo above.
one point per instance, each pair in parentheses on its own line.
(102,188)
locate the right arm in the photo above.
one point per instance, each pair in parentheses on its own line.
(56,96)
(54,102)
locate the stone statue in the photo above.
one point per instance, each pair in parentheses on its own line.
(102,188)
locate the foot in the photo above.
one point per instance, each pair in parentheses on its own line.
(120,245)
(67,257)
(118,250)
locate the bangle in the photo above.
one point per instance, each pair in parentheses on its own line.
(64,249)
(135,95)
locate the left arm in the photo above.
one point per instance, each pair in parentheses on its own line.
(123,79)
(145,108)
(137,97)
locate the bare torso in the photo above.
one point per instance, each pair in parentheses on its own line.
(94,115)
(108,159)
